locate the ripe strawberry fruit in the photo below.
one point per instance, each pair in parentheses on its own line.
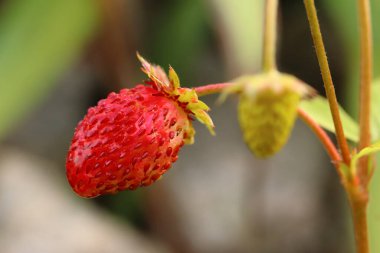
(130,139)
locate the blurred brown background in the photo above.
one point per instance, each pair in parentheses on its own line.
(57,58)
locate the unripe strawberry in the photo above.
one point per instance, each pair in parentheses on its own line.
(130,139)
(267,110)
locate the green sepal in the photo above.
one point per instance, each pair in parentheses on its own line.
(174,79)
(250,85)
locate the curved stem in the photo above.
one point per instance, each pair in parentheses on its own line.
(365,83)
(211,88)
(324,139)
(327,79)
(270,35)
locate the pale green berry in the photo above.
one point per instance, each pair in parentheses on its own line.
(267,120)
(268,109)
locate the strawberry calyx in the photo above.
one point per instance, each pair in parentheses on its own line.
(276,81)
(186,98)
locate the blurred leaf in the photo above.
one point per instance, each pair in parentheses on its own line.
(129,205)
(240,26)
(344,15)
(179,37)
(374,206)
(375,109)
(318,108)
(38,40)
(374,209)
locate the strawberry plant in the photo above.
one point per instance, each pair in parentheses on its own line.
(131,139)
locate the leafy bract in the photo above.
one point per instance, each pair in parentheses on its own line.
(374,148)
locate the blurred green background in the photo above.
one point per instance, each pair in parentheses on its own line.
(57,58)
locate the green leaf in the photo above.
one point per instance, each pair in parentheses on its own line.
(179,34)
(243,41)
(38,41)
(318,108)
(375,110)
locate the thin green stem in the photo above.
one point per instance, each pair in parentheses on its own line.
(366,66)
(327,79)
(270,36)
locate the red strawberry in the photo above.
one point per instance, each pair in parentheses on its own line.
(130,139)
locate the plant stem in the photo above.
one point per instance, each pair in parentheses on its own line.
(327,79)
(270,36)
(359,202)
(324,138)
(365,84)
(211,88)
